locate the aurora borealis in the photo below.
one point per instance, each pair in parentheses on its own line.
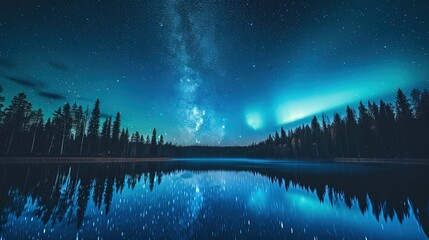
(212,72)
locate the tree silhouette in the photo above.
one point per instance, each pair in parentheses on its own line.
(378,131)
(93,128)
(67,125)
(153,151)
(2,98)
(115,134)
(105,136)
(15,121)
(404,118)
(36,128)
(420,101)
(316,134)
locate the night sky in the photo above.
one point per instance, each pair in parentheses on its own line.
(212,72)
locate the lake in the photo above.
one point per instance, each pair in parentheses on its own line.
(214,199)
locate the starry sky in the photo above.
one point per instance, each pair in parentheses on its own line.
(212,72)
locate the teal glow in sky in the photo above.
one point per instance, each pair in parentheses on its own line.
(332,92)
(254,120)
(348,87)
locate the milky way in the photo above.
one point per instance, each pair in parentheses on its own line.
(192,44)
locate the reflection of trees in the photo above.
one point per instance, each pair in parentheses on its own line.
(63,191)
(389,193)
(11,203)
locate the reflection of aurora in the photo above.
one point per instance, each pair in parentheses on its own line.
(199,199)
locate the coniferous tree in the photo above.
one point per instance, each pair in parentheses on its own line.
(420,101)
(37,128)
(338,136)
(374,112)
(393,128)
(78,125)
(48,134)
(126,142)
(93,128)
(115,134)
(283,135)
(15,121)
(105,136)
(403,107)
(382,132)
(2,98)
(307,144)
(84,127)
(2,129)
(121,149)
(67,125)
(327,135)
(153,150)
(351,133)
(315,136)
(404,118)
(364,131)
(160,145)
(56,131)
(276,139)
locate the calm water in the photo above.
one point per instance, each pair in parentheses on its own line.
(214,199)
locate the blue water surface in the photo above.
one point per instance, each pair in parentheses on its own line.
(214,199)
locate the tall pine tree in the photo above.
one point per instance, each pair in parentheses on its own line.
(93,128)
(115,135)
(153,150)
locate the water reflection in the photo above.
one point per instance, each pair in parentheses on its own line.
(214,199)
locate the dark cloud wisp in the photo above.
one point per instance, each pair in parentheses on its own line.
(24,82)
(53,96)
(57,65)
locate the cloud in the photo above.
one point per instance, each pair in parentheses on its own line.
(53,96)
(24,82)
(59,66)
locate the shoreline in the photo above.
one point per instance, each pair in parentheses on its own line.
(100,159)
(383,160)
(56,160)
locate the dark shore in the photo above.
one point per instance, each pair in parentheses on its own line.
(101,159)
(383,160)
(38,160)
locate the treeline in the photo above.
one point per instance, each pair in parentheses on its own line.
(71,131)
(384,130)
(375,131)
